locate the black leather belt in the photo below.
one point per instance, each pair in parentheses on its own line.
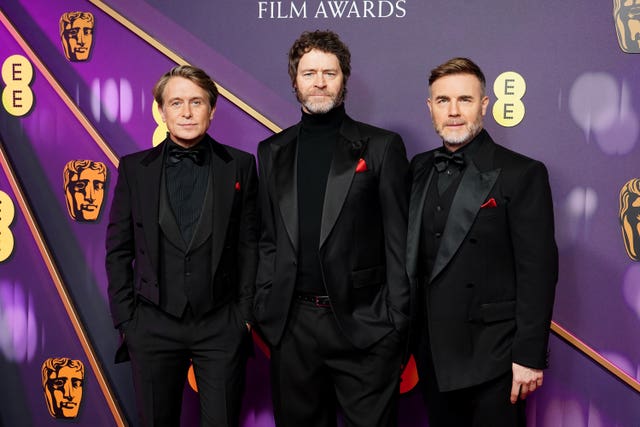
(317,300)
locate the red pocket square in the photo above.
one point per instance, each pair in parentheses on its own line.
(362,166)
(491,203)
(237,186)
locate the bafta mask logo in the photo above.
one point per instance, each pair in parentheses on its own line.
(76,33)
(62,382)
(630,217)
(84,184)
(626,14)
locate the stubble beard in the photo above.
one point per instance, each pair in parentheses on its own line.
(320,107)
(472,129)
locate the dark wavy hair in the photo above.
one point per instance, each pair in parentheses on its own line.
(325,41)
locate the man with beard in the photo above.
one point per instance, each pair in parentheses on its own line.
(482,256)
(332,296)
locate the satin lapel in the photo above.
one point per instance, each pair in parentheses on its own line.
(341,173)
(166,218)
(148,188)
(474,188)
(421,181)
(224,187)
(204,228)
(286,182)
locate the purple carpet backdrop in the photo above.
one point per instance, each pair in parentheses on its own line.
(571,98)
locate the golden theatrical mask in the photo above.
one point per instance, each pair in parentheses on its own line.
(84,187)
(76,34)
(62,382)
(626,14)
(630,217)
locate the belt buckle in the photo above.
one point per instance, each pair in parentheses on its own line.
(318,301)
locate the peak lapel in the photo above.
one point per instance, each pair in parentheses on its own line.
(224,181)
(149,176)
(421,180)
(474,188)
(286,184)
(348,151)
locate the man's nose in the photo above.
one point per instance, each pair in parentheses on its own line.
(453,109)
(320,81)
(186,111)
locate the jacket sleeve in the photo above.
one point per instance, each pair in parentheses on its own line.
(267,240)
(530,216)
(394,202)
(120,251)
(248,239)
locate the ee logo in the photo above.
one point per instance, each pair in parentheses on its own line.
(7,212)
(509,88)
(17,96)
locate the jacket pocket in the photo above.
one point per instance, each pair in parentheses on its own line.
(497,311)
(368,276)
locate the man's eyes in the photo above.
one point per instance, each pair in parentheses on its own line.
(193,103)
(328,74)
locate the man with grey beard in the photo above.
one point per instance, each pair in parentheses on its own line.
(332,297)
(482,258)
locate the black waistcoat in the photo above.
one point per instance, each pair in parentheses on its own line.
(434,218)
(185,273)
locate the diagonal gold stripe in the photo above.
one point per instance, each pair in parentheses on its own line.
(595,356)
(45,253)
(37,234)
(181,61)
(57,87)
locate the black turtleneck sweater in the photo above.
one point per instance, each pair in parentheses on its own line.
(316,142)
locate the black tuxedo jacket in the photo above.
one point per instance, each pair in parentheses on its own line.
(133,234)
(362,236)
(489,299)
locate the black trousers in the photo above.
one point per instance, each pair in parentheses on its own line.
(483,405)
(315,370)
(162,347)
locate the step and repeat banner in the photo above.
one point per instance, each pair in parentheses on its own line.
(563,79)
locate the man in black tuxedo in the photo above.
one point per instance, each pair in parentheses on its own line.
(182,257)
(332,295)
(482,257)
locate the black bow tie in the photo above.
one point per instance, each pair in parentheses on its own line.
(443,160)
(177,154)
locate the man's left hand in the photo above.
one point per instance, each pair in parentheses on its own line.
(525,381)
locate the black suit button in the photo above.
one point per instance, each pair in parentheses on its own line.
(438,208)
(187,258)
(438,235)
(473,241)
(470,285)
(188,274)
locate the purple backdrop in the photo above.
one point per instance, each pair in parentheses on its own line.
(582,115)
